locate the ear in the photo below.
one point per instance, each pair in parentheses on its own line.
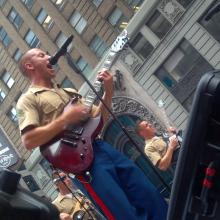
(28,66)
(140,133)
(56,187)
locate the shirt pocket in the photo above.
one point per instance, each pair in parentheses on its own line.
(51,110)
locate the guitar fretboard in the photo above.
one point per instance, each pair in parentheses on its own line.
(109,60)
(91,96)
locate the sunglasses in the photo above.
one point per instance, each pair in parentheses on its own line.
(62,178)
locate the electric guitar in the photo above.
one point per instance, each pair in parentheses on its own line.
(167,123)
(71,150)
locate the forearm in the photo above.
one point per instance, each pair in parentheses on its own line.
(41,135)
(165,161)
(107,97)
(72,114)
(107,80)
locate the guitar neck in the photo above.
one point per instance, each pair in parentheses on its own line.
(91,96)
(109,60)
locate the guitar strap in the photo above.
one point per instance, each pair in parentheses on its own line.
(96,198)
(71,92)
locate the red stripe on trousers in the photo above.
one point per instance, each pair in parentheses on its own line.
(96,198)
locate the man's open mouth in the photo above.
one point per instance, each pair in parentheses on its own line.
(49,66)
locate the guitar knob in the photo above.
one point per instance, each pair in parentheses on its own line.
(76,137)
(74,144)
(83,140)
(85,148)
(82,156)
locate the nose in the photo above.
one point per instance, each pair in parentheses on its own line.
(48,56)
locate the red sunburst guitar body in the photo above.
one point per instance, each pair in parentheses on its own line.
(72,150)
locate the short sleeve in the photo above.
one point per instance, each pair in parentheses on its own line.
(27,112)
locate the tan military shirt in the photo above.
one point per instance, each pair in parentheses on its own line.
(155,149)
(40,105)
(65,204)
(69,204)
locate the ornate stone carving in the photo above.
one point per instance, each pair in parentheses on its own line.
(118,81)
(127,105)
(130,60)
(171,9)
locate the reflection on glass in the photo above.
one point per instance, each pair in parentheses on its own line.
(159,24)
(115,136)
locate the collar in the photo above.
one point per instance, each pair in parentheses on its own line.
(36,89)
(60,197)
(151,139)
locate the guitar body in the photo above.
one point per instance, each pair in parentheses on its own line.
(72,150)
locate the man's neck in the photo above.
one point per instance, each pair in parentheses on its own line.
(148,137)
(64,192)
(42,82)
(48,85)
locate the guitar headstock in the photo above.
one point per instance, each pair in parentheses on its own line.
(120,41)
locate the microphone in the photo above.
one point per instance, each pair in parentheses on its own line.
(53,60)
(212,11)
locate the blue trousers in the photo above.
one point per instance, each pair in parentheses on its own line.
(123,187)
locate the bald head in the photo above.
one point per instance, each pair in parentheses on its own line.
(25,59)
(145,129)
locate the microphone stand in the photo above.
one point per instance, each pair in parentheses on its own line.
(78,71)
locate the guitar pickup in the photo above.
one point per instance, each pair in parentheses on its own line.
(68,142)
(71,136)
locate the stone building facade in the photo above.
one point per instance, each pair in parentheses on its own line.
(171,46)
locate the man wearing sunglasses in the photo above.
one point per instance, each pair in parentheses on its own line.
(71,201)
(163,155)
